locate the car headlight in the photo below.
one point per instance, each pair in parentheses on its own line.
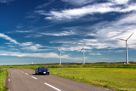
(44,72)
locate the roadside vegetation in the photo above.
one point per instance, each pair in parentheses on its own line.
(3,76)
(116,76)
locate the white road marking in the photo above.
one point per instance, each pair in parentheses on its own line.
(34,77)
(9,80)
(52,86)
(26,73)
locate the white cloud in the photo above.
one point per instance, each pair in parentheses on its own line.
(128,19)
(91,34)
(8,38)
(76,13)
(63,33)
(95,54)
(20,31)
(119,51)
(79,12)
(107,32)
(45,4)
(78,2)
(105,35)
(112,6)
(128,8)
(25,45)
(40,55)
(97,43)
(74,48)
(48,18)
(33,36)
(120,1)
(33,47)
(77,48)
(6,1)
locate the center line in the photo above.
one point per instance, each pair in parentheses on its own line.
(52,86)
(26,73)
(9,80)
(34,77)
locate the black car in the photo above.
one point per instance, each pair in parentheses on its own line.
(42,70)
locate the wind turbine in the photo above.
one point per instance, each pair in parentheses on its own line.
(59,56)
(126,46)
(82,50)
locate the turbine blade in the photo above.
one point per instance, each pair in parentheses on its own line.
(129,36)
(121,39)
(59,51)
(81,50)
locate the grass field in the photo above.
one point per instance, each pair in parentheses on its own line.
(114,78)
(117,76)
(89,65)
(3,75)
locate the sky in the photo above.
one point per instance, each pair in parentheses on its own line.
(35,31)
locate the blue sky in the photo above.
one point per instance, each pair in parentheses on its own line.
(33,30)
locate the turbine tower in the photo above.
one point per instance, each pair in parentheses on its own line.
(126,46)
(59,56)
(82,50)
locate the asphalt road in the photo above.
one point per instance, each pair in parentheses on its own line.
(26,80)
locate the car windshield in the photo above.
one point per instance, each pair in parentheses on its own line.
(42,68)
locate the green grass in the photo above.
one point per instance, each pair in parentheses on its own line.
(117,76)
(114,78)
(3,76)
(89,65)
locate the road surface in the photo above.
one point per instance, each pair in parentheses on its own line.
(26,80)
